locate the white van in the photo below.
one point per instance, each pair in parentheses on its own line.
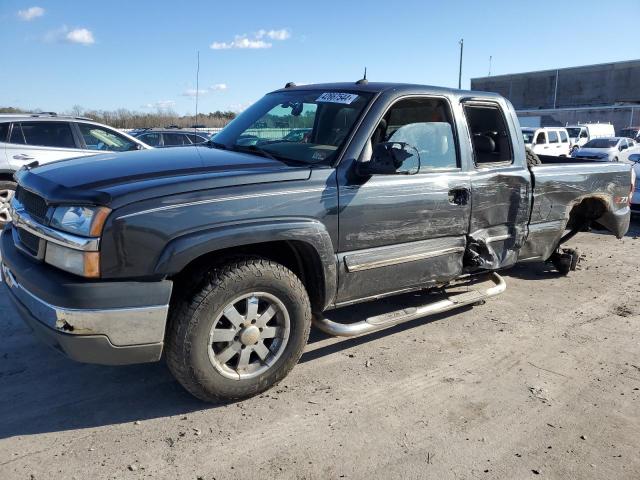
(547,141)
(583,132)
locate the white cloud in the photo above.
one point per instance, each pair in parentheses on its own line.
(31,13)
(218,87)
(192,92)
(255,41)
(282,34)
(241,42)
(81,36)
(160,104)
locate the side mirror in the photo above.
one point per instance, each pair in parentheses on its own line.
(391,158)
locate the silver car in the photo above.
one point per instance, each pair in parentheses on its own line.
(47,137)
(611,149)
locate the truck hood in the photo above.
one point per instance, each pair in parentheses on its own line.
(116,178)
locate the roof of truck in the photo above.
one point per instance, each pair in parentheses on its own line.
(378,87)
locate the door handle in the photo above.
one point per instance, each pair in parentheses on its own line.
(459,196)
(22,156)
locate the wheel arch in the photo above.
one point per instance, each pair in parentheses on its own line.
(302,245)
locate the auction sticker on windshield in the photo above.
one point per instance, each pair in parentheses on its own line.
(336,97)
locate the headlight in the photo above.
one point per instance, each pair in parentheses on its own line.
(85,221)
(86,264)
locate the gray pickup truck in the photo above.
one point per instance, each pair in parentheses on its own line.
(223,255)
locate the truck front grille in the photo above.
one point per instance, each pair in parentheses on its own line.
(34,204)
(29,241)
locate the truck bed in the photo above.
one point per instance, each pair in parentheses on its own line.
(558,187)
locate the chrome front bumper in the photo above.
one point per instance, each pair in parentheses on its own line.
(107,336)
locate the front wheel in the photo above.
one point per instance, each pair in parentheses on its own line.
(240,332)
(7,192)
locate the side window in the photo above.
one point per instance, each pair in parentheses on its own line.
(553,136)
(584,134)
(98,138)
(152,139)
(488,128)
(4,131)
(564,137)
(541,138)
(175,139)
(16,134)
(425,124)
(196,138)
(43,134)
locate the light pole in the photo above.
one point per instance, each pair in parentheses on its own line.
(460,70)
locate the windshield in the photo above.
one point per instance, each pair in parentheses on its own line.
(302,126)
(528,136)
(629,132)
(601,143)
(573,132)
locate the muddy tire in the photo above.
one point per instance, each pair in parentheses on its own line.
(7,192)
(532,158)
(240,331)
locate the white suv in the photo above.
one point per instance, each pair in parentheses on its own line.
(547,141)
(46,137)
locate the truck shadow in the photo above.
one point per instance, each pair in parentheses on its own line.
(43,391)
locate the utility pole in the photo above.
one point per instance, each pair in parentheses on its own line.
(197,90)
(490,58)
(460,70)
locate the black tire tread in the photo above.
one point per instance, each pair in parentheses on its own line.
(532,158)
(178,344)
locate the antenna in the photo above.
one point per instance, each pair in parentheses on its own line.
(363,80)
(195,129)
(490,58)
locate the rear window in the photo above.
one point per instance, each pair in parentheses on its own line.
(43,134)
(491,141)
(563,136)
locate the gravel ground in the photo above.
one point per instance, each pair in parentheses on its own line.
(540,382)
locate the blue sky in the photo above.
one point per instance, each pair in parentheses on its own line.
(141,55)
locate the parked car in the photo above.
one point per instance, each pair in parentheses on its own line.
(170,137)
(613,149)
(46,137)
(298,135)
(631,132)
(547,141)
(223,255)
(635,196)
(582,133)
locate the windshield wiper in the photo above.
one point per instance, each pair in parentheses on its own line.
(265,153)
(213,144)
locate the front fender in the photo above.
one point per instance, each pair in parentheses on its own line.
(183,250)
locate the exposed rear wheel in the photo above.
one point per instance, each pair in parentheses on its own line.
(240,332)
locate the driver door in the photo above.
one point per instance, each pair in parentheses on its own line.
(399,232)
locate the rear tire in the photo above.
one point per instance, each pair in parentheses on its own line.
(219,346)
(7,192)
(532,158)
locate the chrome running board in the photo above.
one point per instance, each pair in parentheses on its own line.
(396,317)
